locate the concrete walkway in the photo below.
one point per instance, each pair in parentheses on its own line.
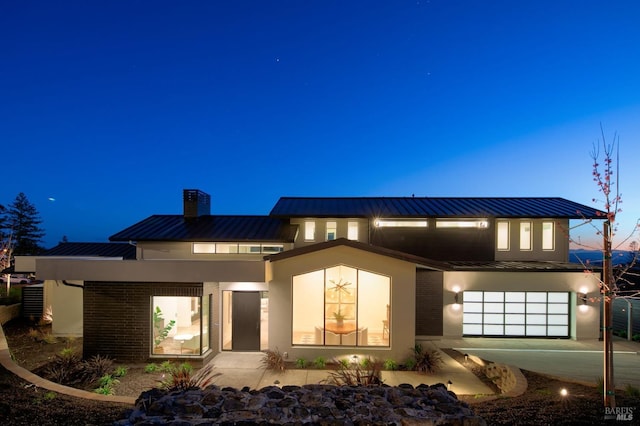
(580,361)
(244,369)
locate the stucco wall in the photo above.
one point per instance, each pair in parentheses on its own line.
(584,323)
(66,307)
(402,301)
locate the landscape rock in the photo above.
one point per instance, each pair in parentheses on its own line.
(309,404)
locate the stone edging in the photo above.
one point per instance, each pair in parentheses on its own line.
(23,373)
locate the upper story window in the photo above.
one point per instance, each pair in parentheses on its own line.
(234,248)
(548,236)
(525,236)
(393,223)
(352,231)
(478,223)
(309,230)
(331,231)
(502,235)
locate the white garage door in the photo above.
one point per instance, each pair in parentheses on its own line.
(515,313)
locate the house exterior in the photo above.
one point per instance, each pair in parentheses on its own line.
(327,277)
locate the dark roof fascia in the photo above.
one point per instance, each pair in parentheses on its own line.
(431,264)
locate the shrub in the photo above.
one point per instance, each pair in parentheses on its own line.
(182,378)
(356,374)
(410,363)
(65,368)
(636,338)
(166,366)
(96,367)
(151,368)
(301,363)
(120,371)
(427,360)
(320,362)
(344,363)
(273,360)
(390,364)
(107,381)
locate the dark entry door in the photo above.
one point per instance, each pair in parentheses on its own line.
(246,321)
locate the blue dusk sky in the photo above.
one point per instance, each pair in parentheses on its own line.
(108,109)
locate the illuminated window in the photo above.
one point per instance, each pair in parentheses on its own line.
(381,223)
(204,248)
(227,248)
(341,306)
(462,223)
(352,231)
(331,231)
(180,325)
(502,238)
(525,235)
(548,236)
(309,231)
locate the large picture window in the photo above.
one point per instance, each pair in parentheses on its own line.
(180,325)
(341,306)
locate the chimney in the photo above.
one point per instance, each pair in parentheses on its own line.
(196,203)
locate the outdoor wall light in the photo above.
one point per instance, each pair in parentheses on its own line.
(583,297)
(456,295)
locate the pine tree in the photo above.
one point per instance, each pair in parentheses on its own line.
(23,220)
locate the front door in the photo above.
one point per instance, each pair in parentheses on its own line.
(246,321)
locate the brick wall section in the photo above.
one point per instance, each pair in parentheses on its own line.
(429,303)
(117,317)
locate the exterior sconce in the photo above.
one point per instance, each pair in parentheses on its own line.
(583,298)
(456,295)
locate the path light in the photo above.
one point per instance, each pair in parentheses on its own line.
(564,392)
(449,383)
(276,383)
(466,357)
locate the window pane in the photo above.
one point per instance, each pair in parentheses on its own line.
(176,325)
(227,248)
(537,297)
(558,319)
(472,307)
(494,307)
(514,330)
(514,296)
(309,231)
(536,330)
(493,329)
(308,309)
(515,308)
(503,235)
(547,235)
(493,296)
(472,329)
(202,248)
(558,308)
(472,296)
(374,299)
(558,330)
(352,231)
(525,235)
(473,318)
(558,297)
(331,231)
(536,308)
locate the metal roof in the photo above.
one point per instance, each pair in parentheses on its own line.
(208,228)
(370,207)
(125,251)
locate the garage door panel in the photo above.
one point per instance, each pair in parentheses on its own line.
(527,314)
